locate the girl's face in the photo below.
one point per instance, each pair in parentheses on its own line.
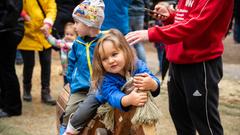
(81,29)
(69,34)
(113,60)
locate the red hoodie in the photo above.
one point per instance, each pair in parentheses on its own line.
(197,32)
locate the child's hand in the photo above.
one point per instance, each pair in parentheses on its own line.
(144,82)
(136,98)
(61,44)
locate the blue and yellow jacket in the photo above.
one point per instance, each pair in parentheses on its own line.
(80,63)
(110,90)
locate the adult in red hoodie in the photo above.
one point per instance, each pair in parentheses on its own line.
(194,49)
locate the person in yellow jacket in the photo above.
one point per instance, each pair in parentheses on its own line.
(42,16)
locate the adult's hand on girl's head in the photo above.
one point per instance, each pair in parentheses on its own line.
(137,36)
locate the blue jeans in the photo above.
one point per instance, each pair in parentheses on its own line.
(18,55)
(160,48)
(137,23)
(236,30)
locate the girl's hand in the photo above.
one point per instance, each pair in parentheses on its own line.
(144,82)
(135,98)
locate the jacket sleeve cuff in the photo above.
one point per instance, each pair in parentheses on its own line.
(157,91)
(118,98)
(125,109)
(48,21)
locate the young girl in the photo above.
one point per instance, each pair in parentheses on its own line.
(64,44)
(114,61)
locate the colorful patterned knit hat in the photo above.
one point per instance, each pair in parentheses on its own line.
(90,12)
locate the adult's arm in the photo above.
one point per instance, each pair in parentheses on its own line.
(201,17)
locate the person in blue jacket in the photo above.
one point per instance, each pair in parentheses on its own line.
(114,62)
(116,15)
(88,17)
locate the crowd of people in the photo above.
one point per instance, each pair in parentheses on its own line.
(101,46)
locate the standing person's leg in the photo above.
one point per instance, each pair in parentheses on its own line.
(178,104)
(159,47)
(45,61)
(236,29)
(19,59)
(137,23)
(10,100)
(28,65)
(201,95)
(165,64)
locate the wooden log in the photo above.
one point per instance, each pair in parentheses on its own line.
(61,104)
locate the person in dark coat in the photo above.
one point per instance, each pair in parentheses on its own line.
(11,33)
(64,15)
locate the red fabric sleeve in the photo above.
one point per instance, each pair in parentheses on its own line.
(197,21)
(170,19)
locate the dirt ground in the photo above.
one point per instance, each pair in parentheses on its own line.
(38,119)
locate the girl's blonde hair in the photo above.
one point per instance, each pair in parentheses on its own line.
(120,43)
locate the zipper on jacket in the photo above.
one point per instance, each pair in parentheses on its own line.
(88,58)
(88,54)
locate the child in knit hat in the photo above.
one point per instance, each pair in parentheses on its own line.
(88,17)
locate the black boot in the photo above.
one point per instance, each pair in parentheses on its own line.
(27,92)
(46,97)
